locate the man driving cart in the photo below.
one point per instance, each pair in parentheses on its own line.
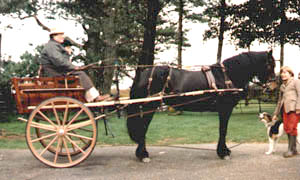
(55,62)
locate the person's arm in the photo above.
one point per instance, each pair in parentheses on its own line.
(55,54)
(297,86)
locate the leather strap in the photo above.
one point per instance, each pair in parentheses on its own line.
(150,81)
(228,82)
(210,77)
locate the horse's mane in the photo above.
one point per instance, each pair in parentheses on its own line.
(245,60)
(243,67)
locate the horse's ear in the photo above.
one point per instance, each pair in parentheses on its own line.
(270,52)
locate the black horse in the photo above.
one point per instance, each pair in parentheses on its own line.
(240,69)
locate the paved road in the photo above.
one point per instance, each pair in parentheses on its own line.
(167,163)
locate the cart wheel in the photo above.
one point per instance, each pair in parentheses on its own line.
(61,132)
(52,149)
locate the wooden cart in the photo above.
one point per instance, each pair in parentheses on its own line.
(61,128)
(61,131)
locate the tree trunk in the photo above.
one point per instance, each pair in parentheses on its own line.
(0,50)
(110,54)
(282,27)
(281,54)
(221,30)
(147,54)
(180,33)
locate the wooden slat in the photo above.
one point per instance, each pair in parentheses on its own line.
(52,89)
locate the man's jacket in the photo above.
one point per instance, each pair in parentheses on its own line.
(55,57)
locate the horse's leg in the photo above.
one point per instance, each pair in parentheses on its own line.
(137,123)
(224,111)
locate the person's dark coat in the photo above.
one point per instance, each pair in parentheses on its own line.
(55,57)
(55,62)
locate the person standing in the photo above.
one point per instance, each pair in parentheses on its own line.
(55,62)
(288,106)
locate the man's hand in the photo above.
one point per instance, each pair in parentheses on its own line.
(298,111)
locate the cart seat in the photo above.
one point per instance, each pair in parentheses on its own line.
(31,91)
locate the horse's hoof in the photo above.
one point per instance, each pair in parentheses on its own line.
(226,157)
(146,160)
(268,153)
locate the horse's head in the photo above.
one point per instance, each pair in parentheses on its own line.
(273,84)
(266,70)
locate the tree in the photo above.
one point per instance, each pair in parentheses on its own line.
(116,29)
(185,12)
(150,23)
(9,6)
(215,14)
(180,31)
(272,22)
(27,67)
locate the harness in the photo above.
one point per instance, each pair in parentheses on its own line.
(205,69)
(210,77)
(228,82)
(208,74)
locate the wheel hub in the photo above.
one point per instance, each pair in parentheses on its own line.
(61,132)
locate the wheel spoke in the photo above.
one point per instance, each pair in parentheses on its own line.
(43,137)
(80,136)
(86,130)
(53,140)
(74,143)
(46,118)
(66,113)
(42,126)
(83,119)
(55,113)
(79,125)
(58,149)
(67,149)
(38,117)
(74,118)
(73,147)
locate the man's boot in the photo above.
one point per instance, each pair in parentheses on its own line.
(102,98)
(289,153)
(294,145)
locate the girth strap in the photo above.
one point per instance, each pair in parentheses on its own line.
(210,77)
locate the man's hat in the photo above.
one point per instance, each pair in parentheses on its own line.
(56,31)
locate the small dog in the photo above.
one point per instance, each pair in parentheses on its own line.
(274,131)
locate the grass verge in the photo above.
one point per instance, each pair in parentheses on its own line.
(188,128)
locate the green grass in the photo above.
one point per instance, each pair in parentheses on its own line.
(188,128)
